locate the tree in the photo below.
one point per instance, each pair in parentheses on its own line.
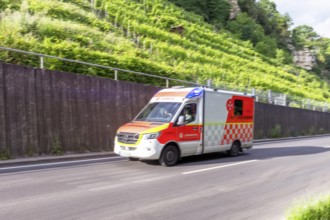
(250,7)
(274,24)
(218,12)
(304,36)
(246,28)
(213,11)
(267,46)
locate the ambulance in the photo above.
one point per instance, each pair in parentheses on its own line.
(180,122)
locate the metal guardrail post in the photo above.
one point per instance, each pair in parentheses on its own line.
(270,98)
(308,104)
(167,83)
(116,74)
(209,83)
(41,62)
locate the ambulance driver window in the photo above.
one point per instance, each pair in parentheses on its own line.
(238,107)
(189,112)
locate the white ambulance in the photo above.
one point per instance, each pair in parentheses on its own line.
(181,122)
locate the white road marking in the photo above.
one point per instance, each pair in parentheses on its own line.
(58,163)
(219,167)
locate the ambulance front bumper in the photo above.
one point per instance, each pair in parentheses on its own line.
(145,149)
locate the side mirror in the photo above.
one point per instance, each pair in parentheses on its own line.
(181,120)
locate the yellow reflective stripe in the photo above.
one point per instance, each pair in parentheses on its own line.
(215,123)
(151,130)
(156,129)
(224,123)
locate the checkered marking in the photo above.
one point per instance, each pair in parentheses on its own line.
(213,134)
(242,132)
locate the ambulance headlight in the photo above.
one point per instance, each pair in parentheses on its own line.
(152,135)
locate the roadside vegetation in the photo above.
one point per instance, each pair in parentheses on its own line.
(145,36)
(316,210)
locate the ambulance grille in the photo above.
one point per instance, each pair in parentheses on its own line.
(127,138)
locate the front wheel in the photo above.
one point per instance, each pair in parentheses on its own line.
(169,156)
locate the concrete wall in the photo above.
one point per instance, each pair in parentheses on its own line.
(43,111)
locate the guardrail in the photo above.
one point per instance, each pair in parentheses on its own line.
(261,96)
(116,70)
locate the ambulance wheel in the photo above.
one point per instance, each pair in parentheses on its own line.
(169,156)
(235,149)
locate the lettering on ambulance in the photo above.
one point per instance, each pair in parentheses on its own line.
(239,123)
(181,133)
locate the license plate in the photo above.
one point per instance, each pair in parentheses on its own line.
(125,154)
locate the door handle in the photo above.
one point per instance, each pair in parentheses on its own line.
(194,128)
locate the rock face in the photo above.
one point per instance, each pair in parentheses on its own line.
(235,9)
(304,58)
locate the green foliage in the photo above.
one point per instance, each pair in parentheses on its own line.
(10,4)
(304,36)
(4,155)
(276,131)
(213,11)
(136,35)
(274,24)
(283,57)
(246,28)
(317,209)
(56,147)
(268,46)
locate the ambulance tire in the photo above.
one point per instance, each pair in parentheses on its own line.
(235,149)
(169,156)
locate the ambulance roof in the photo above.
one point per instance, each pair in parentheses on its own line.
(179,94)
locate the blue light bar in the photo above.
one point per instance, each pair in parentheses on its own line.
(195,92)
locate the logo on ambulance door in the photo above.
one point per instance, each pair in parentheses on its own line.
(230,105)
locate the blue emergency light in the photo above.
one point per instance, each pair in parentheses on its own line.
(195,92)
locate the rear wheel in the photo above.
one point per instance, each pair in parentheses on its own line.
(169,156)
(235,149)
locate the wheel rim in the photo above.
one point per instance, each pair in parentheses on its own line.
(234,150)
(170,156)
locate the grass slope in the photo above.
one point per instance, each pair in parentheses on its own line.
(135,35)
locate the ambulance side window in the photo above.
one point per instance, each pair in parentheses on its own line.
(189,113)
(238,107)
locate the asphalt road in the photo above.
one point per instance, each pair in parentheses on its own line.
(259,184)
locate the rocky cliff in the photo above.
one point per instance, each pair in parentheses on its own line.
(305,58)
(235,9)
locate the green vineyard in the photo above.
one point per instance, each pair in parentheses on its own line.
(150,36)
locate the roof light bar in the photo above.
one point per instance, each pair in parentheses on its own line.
(195,92)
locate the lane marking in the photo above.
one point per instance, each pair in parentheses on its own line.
(289,140)
(218,167)
(60,163)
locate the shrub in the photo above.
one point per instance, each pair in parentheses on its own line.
(4,155)
(313,210)
(275,132)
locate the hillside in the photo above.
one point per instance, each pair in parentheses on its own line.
(138,35)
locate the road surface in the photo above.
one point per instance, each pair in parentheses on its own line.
(259,184)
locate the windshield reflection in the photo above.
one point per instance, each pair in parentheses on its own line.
(159,112)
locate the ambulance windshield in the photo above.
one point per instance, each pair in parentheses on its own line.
(159,112)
